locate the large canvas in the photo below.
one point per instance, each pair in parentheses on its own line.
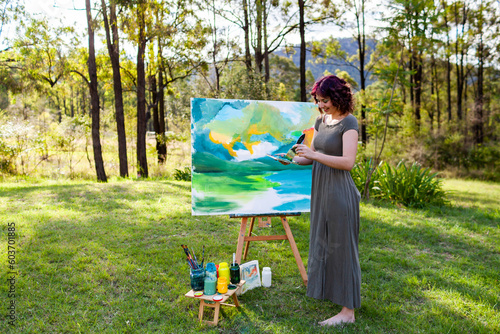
(231,172)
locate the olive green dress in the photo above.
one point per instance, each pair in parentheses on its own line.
(333,266)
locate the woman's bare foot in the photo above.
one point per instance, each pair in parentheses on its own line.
(345,316)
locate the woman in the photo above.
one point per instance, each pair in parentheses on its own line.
(333,266)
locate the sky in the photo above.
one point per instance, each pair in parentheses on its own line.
(73,11)
(68,10)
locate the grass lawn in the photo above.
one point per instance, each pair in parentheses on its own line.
(106,258)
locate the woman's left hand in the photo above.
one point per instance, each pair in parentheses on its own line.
(304,151)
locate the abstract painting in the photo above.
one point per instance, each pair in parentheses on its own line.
(231,170)
(251,275)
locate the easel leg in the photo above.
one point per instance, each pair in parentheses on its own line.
(241,238)
(295,250)
(247,243)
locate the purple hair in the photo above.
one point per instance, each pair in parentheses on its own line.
(338,90)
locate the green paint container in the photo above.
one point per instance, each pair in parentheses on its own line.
(197,279)
(235,273)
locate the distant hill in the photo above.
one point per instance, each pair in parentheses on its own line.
(348,44)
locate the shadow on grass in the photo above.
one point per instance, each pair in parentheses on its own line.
(426,267)
(107,257)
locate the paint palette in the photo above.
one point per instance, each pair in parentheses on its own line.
(280,159)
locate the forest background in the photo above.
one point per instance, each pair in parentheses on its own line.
(112,97)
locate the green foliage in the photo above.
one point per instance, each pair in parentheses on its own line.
(171,136)
(7,158)
(360,172)
(443,151)
(182,175)
(412,186)
(17,141)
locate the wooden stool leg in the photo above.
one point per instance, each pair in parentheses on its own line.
(235,300)
(295,251)
(247,243)
(216,313)
(200,313)
(241,238)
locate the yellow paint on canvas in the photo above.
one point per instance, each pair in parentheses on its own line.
(226,141)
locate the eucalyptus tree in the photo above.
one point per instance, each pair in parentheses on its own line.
(485,20)
(309,13)
(142,160)
(94,97)
(446,16)
(352,17)
(463,41)
(42,52)
(411,23)
(113,44)
(264,25)
(180,37)
(222,47)
(137,13)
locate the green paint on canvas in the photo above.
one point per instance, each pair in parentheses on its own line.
(231,184)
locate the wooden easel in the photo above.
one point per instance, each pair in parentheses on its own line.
(265,221)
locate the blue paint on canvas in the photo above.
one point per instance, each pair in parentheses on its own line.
(231,171)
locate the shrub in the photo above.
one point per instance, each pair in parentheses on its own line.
(413,186)
(453,153)
(183,175)
(7,158)
(359,173)
(17,141)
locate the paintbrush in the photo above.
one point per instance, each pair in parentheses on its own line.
(203,256)
(195,259)
(190,264)
(186,250)
(189,258)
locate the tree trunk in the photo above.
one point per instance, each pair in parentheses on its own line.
(114,55)
(418,89)
(448,64)
(477,124)
(160,135)
(438,100)
(460,55)
(161,143)
(72,105)
(246,29)
(214,54)
(94,99)
(142,162)
(412,81)
(266,47)
(416,81)
(258,47)
(302,66)
(361,38)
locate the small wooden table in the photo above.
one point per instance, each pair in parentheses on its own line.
(204,299)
